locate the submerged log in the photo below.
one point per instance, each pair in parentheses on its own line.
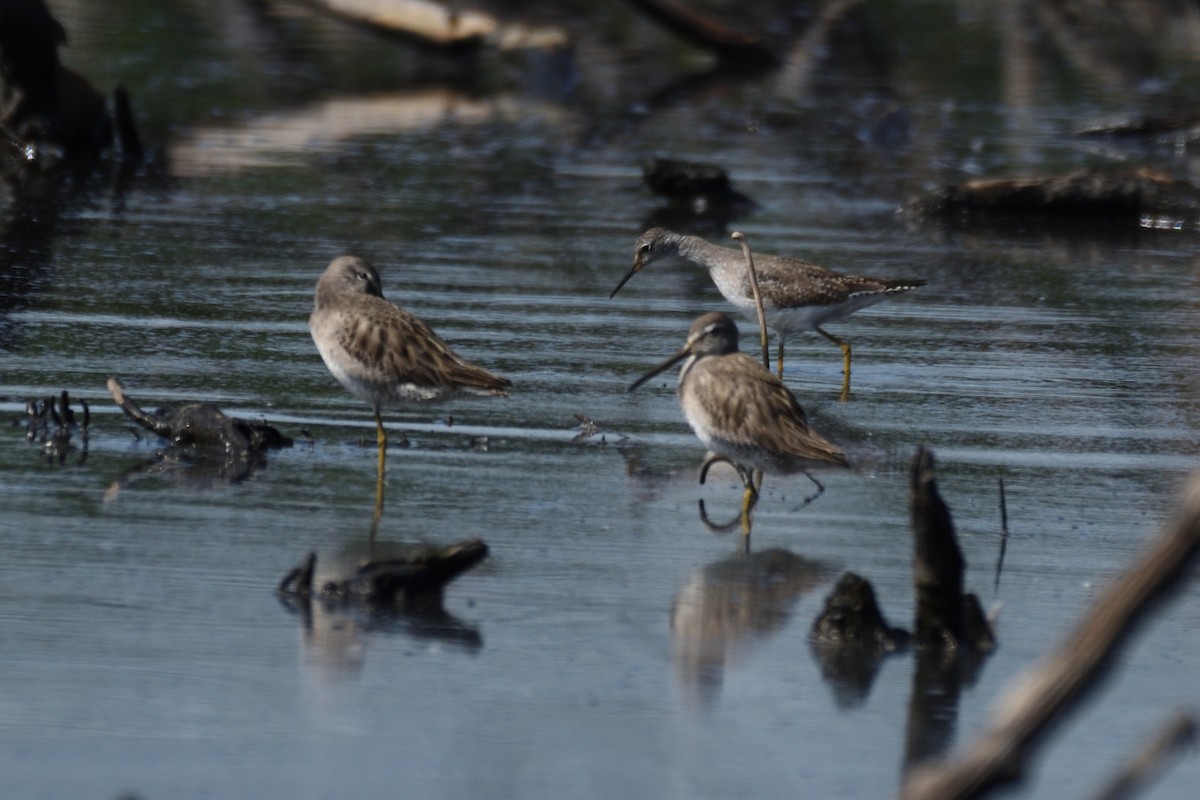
(852,616)
(56,439)
(1027,713)
(411,570)
(203,428)
(952,635)
(944,616)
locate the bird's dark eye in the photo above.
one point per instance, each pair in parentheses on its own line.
(362,276)
(645,248)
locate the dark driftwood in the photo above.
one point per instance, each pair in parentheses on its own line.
(1129,194)
(56,440)
(203,427)
(706,32)
(951,633)
(1031,708)
(1177,127)
(944,616)
(851,616)
(440,25)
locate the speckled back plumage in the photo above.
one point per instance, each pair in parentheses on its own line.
(742,411)
(796,293)
(382,353)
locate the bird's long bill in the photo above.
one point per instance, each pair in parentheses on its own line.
(663,367)
(637,265)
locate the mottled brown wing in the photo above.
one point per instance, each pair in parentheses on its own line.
(745,398)
(401,347)
(786,282)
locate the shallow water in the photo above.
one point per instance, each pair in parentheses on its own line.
(611,645)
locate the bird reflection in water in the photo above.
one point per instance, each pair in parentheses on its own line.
(728,606)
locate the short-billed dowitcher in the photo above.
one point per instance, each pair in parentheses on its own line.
(383,354)
(740,410)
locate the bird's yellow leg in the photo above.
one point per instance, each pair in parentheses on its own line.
(749,499)
(845,347)
(381,440)
(751,480)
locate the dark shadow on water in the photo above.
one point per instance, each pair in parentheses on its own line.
(938,683)
(35,206)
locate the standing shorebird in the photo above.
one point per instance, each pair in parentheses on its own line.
(796,294)
(740,410)
(381,353)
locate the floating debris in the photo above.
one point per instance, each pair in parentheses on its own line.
(56,438)
(588,428)
(214,448)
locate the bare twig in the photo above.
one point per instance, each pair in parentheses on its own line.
(1003,535)
(1029,710)
(1178,731)
(758,304)
(757,477)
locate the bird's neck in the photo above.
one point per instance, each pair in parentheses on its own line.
(324,295)
(685,369)
(721,262)
(725,266)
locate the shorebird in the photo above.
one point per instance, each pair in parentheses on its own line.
(740,410)
(797,294)
(383,354)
